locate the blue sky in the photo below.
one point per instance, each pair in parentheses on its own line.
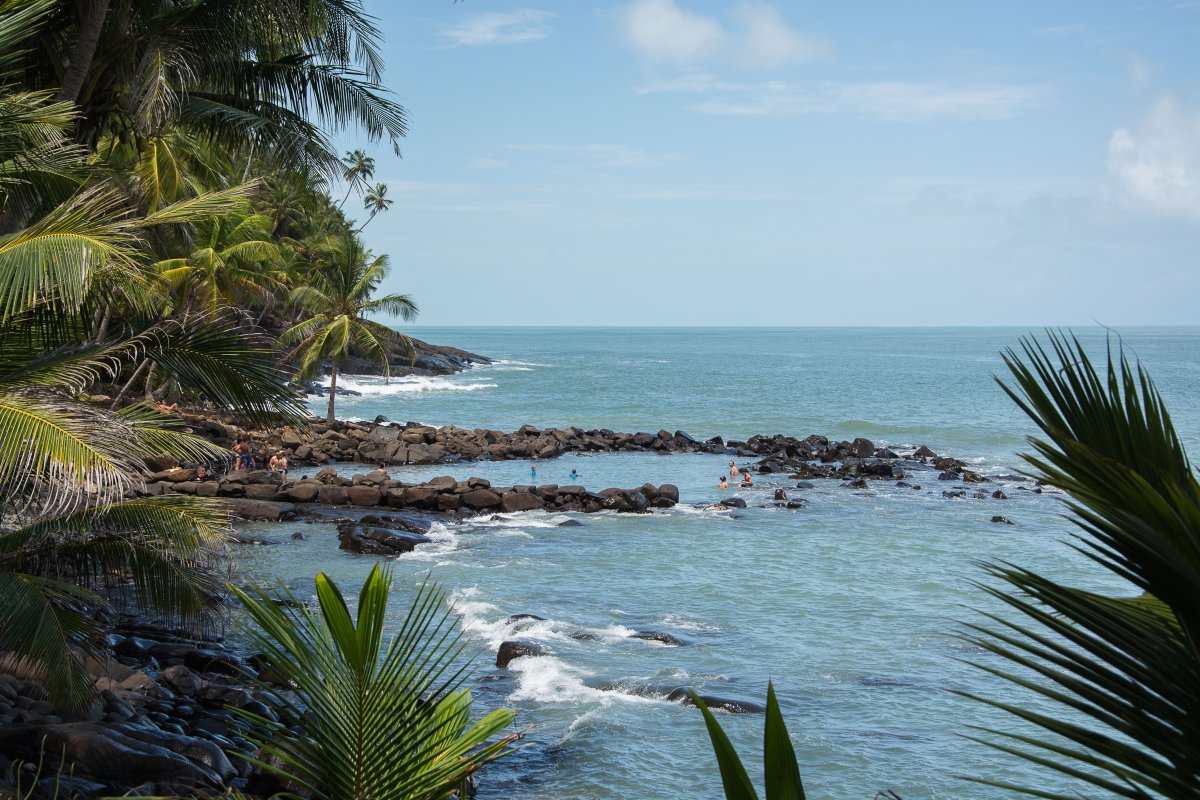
(739,163)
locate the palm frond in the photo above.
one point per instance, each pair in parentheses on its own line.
(1126,670)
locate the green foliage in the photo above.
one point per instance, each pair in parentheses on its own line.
(378,721)
(336,302)
(1124,670)
(780,770)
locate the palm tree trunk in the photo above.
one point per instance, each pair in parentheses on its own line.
(103,328)
(129,384)
(91,21)
(332,391)
(149,391)
(368,222)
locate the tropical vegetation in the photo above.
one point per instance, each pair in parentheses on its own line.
(1123,671)
(379,721)
(165,170)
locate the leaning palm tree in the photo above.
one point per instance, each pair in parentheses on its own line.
(338,299)
(358,169)
(376,200)
(378,721)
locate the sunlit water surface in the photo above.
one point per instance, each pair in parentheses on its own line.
(850,605)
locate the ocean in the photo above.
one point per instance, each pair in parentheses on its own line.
(851,605)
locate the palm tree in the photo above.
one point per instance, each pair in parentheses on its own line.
(269,74)
(230,262)
(358,171)
(378,721)
(376,200)
(338,299)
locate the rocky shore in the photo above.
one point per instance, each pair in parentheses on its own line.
(385,443)
(162,722)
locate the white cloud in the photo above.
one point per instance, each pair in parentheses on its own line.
(1157,165)
(515,27)
(896,100)
(610,155)
(770,41)
(660,29)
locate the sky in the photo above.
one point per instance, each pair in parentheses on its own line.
(734,162)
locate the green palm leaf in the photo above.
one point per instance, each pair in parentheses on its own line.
(379,722)
(1126,670)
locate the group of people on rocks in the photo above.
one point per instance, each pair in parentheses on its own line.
(734,472)
(276,462)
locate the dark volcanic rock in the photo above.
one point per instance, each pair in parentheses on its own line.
(660,637)
(514,649)
(681,695)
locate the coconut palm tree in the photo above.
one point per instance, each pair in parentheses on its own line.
(358,170)
(379,721)
(338,298)
(230,262)
(375,200)
(273,74)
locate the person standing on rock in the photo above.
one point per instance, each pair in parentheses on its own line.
(279,464)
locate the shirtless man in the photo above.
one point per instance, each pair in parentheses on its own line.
(733,470)
(279,464)
(724,484)
(747,480)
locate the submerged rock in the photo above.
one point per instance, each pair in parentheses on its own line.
(682,696)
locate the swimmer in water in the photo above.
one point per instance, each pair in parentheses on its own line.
(532,471)
(746,479)
(733,470)
(574,475)
(724,484)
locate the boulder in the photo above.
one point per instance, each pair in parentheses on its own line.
(332,495)
(443,483)
(862,448)
(681,695)
(480,499)
(519,501)
(669,491)
(660,637)
(304,492)
(358,538)
(247,508)
(364,495)
(182,680)
(514,649)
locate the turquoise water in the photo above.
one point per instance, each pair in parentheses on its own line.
(849,605)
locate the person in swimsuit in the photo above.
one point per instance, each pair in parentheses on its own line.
(724,484)
(733,470)
(574,475)
(532,471)
(746,479)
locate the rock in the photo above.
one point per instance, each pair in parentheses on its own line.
(304,492)
(364,495)
(924,452)
(199,751)
(681,695)
(999,495)
(862,448)
(480,499)
(660,637)
(669,491)
(443,483)
(331,495)
(571,523)
(357,538)
(269,510)
(513,649)
(732,502)
(1004,520)
(780,495)
(181,679)
(948,476)
(106,753)
(511,502)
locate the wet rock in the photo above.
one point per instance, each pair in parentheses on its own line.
(571,523)
(732,502)
(181,679)
(514,649)
(480,499)
(660,637)
(999,495)
(681,695)
(267,510)
(511,502)
(357,538)
(1003,520)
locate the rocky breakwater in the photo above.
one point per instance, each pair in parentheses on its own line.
(857,461)
(260,494)
(161,722)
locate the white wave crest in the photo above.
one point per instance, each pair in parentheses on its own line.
(372,386)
